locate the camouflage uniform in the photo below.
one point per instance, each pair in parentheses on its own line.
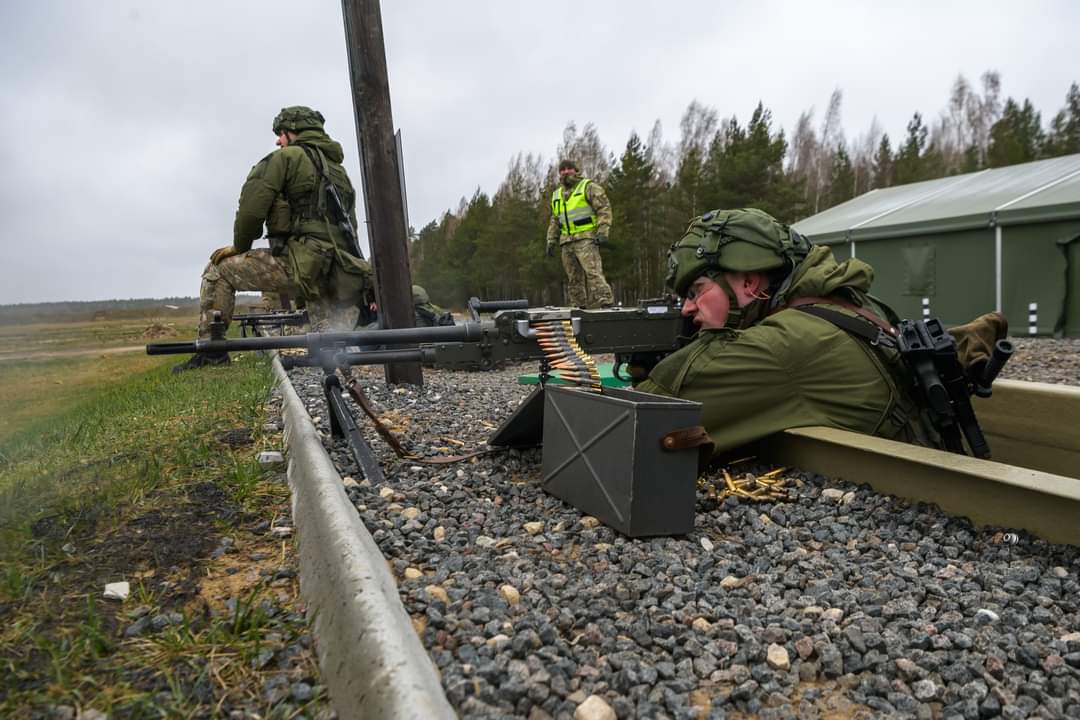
(309,255)
(427,314)
(779,367)
(585,281)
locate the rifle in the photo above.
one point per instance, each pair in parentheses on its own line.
(352,241)
(941,386)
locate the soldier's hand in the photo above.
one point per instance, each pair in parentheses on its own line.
(551,249)
(601,240)
(222,253)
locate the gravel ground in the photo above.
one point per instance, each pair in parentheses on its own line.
(838,603)
(1045,360)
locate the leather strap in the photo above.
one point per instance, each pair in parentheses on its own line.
(861,312)
(690,437)
(385,433)
(685,438)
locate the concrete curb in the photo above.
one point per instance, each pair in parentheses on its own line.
(371,659)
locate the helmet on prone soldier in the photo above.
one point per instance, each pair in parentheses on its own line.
(420,295)
(743,240)
(297,118)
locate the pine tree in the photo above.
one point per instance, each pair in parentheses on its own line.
(631,267)
(745,168)
(1017,136)
(908,166)
(1064,135)
(841,178)
(883,164)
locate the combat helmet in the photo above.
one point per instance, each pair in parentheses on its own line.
(296,118)
(744,240)
(420,296)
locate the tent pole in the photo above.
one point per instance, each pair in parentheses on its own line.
(997,267)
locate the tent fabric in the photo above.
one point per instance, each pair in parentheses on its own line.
(1032,192)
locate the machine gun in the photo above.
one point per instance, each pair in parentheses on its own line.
(561,339)
(638,336)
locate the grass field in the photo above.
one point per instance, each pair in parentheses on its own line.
(113,469)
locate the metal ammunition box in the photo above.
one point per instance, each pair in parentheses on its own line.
(603,454)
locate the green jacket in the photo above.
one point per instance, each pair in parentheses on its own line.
(315,249)
(795,370)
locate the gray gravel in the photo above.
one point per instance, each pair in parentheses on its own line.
(1045,360)
(846,604)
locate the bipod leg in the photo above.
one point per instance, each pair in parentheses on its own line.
(342,424)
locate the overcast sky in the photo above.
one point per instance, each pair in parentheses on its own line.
(130,126)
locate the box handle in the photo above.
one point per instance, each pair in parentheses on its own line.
(691,437)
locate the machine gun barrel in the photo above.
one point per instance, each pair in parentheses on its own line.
(313,342)
(1003,350)
(338,358)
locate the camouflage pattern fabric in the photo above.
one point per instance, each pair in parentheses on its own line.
(259,270)
(272,301)
(598,199)
(585,282)
(285,192)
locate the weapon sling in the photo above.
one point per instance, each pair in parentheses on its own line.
(384,432)
(331,190)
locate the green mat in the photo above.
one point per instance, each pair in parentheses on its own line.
(606,378)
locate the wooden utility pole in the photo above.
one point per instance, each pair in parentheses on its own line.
(380,175)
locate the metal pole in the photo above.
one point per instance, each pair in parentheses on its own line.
(381,180)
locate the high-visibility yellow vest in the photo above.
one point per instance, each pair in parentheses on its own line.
(574,213)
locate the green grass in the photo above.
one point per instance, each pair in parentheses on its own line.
(120,451)
(121,439)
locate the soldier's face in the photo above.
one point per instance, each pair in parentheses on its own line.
(706,303)
(283,138)
(568,176)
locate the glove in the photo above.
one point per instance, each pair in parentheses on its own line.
(222,253)
(551,250)
(975,340)
(601,240)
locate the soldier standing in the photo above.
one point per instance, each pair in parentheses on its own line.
(305,199)
(580,222)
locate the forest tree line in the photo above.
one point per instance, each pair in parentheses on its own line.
(492,246)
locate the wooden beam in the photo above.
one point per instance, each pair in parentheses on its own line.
(384,206)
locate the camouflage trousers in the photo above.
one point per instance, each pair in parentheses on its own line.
(585,281)
(258,270)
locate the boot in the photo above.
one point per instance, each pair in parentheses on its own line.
(202,359)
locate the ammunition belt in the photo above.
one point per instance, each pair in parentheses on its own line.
(563,354)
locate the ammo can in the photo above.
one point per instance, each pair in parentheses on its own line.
(604,454)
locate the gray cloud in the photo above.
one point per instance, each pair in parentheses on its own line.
(130,125)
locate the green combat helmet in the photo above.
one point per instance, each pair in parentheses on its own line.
(297,118)
(420,296)
(744,240)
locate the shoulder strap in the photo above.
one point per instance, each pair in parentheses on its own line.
(860,311)
(875,336)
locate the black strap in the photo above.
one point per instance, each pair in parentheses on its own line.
(853,325)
